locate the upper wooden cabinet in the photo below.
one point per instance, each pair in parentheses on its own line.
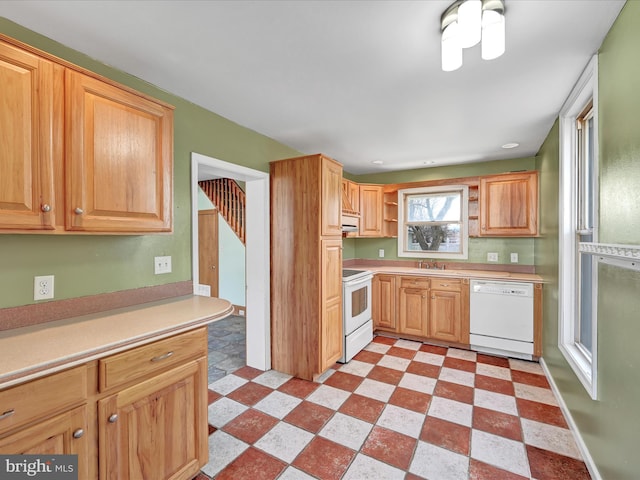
(26,150)
(119,148)
(306,265)
(371,210)
(80,153)
(509,204)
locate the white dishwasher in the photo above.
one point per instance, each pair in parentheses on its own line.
(501,318)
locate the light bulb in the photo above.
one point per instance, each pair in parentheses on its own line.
(492,34)
(451,49)
(470,22)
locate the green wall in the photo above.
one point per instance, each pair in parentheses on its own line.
(87,265)
(478,247)
(610,425)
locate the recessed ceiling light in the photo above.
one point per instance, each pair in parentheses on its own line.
(377,162)
(429,162)
(511,145)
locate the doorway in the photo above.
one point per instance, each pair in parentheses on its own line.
(258,344)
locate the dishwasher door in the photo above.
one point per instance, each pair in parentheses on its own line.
(501,316)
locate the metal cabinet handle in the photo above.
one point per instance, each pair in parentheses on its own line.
(46,208)
(7,414)
(444,284)
(78,433)
(113,418)
(78,211)
(161,357)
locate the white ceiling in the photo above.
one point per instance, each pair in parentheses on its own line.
(357,80)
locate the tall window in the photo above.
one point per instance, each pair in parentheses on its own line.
(578,224)
(433,222)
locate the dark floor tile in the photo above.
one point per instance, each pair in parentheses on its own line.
(546,465)
(386,375)
(324,459)
(482,471)
(496,385)
(253,464)
(541,412)
(390,447)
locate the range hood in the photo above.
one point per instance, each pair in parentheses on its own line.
(347,227)
(350,218)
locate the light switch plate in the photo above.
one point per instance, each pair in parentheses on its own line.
(162,264)
(381,253)
(514,258)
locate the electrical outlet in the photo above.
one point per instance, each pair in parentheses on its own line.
(241,313)
(514,258)
(381,253)
(43,287)
(492,257)
(162,265)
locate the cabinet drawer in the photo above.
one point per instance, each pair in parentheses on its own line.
(414,282)
(41,398)
(449,284)
(142,361)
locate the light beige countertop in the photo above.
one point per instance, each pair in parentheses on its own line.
(30,352)
(471,274)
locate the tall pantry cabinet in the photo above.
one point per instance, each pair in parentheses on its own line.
(306,265)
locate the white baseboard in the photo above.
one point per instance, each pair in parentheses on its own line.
(584,451)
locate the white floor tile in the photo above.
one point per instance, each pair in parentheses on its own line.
(329,397)
(437,463)
(428,357)
(396,363)
(284,441)
(272,378)
(356,367)
(550,437)
(401,420)
(346,430)
(224,410)
(367,468)
(377,347)
(323,378)
(500,452)
(277,404)
(525,366)
(227,384)
(462,354)
(292,473)
(460,377)
(418,383)
(535,394)
(375,389)
(493,371)
(223,449)
(451,410)
(409,344)
(495,401)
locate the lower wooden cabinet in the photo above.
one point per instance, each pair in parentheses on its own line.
(64,434)
(155,429)
(140,414)
(430,308)
(383,300)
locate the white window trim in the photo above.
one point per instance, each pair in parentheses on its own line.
(464,226)
(585,369)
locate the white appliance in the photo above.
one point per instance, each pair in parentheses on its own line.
(501,318)
(357,322)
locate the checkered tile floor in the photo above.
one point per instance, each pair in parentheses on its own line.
(398,410)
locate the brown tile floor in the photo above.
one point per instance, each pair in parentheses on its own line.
(399,409)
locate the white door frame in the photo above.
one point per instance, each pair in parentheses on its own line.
(258,341)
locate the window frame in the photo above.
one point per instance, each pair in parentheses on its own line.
(571,217)
(463,191)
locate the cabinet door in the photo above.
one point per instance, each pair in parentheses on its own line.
(509,205)
(331,199)
(27,145)
(156,429)
(64,434)
(331,334)
(119,154)
(384,302)
(371,210)
(445,319)
(413,311)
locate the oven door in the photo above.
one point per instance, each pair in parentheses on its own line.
(357,303)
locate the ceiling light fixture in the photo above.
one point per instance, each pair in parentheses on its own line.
(465,23)
(377,162)
(511,145)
